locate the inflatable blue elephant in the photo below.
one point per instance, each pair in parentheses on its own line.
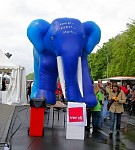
(62,47)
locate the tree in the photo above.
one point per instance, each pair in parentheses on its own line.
(30,76)
(116,57)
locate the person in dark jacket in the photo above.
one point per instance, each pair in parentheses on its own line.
(3,84)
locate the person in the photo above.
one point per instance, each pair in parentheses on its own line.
(132,103)
(89,116)
(116,109)
(58,92)
(29,85)
(128,100)
(124,89)
(128,88)
(105,111)
(103,91)
(96,114)
(3,84)
(108,87)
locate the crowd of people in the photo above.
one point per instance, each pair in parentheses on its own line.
(113,99)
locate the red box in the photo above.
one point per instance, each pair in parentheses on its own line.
(76,114)
(36,121)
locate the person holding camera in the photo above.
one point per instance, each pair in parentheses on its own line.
(117,98)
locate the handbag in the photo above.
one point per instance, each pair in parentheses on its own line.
(111,101)
(109,104)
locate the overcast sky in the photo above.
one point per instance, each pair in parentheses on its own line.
(15,16)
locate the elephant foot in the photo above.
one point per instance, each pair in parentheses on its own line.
(49,96)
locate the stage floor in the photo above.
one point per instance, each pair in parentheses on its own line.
(55,137)
(6,114)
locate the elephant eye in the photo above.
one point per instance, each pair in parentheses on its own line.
(52,38)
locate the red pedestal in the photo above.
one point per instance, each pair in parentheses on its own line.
(36,121)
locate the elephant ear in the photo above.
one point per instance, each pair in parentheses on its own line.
(93,34)
(36,32)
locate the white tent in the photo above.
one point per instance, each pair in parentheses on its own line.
(104,82)
(120,78)
(16,93)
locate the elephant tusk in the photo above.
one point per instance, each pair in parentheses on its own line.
(79,75)
(61,74)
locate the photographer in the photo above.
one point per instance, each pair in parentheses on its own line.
(118,98)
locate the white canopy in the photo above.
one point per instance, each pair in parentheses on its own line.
(16,93)
(96,82)
(120,78)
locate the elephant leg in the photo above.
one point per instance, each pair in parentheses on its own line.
(88,90)
(47,77)
(45,69)
(70,65)
(36,66)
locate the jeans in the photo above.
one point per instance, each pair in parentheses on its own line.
(118,121)
(105,111)
(89,115)
(96,119)
(101,116)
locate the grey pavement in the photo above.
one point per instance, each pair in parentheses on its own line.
(6,114)
(54,137)
(14,124)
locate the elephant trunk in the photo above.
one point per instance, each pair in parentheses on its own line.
(69,77)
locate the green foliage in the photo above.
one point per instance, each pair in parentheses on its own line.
(118,55)
(30,76)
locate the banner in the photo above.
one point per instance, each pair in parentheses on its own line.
(76,114)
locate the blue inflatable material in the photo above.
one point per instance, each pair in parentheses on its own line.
(70,39)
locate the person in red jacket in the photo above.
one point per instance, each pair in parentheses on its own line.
(124,89)
(58,92)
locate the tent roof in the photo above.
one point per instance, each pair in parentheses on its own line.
(121,78)
(5,63)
